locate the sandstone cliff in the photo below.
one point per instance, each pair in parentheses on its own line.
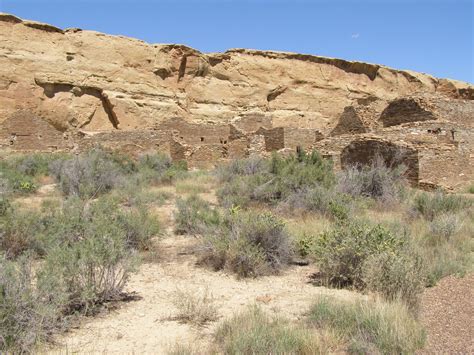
(83,88)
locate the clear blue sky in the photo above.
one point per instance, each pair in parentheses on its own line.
(434,37)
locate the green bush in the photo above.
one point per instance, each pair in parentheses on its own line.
(5,206)
(254,165)
(87,175)
(318,199)
(431,205)
(299,171)
(370,327)
(342,252)
(36,164)
(248,244)
(156,168)
(28,314)
(445,225)
(254,332)
(444,257)
(470,189)
(139,227)
(18,229)
(193,215)
(88,256)
(376,181)
(395,276)
(12,180)
(273,180)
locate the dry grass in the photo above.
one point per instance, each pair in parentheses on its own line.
(195,182)
(369,326)
(255,332)
(196,308)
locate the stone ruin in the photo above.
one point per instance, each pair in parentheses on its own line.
(70,90)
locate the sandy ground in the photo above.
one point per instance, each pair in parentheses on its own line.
(448,315)
(146,325)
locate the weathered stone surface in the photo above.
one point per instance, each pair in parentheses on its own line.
(91,88)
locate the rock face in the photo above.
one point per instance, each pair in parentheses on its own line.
(88,88)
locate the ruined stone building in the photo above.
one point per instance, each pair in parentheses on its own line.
(73,89)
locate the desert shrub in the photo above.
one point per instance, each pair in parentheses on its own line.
(87,175)
(18,229)
(301,170)
(139,227)
(5,187)
(28,314)
(88,256)
(36,164)
(443,257)
(158,162)
(248,244)
(376,181)
(369,326)
(273,180)
(445,225)
(5,206)
(181,348)
(12,180)
(195,308)
(253,165)
(254,332)
(155,168)
(318,199)
(241,190)
(342,251)
(394,276)
(194,215)
(470,189)
(435,204)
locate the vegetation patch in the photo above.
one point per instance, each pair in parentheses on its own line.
(369,326)
(254,332)
(248,244)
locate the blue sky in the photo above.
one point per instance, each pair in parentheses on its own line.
(434,37)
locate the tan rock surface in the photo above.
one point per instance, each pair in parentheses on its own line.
(86,81)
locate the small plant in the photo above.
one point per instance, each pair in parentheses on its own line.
(87,175)
(470,189)
(433,205)
(27,315)
(35,164)
(139,227)
(5,206)
(194,216)
(243,167)
(342,252)
(376,181)
(395,277)
(159,167)
(26,186)
(369,327)
(89,252)
(17,231)
(273,180)
(318,199)
(445,225)
(248,244)
(254,332)
(195,308)
(12,180)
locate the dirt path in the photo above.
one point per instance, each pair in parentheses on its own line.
(448,315)
(144,326)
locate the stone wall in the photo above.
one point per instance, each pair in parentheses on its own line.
(24,131)
(84,88)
